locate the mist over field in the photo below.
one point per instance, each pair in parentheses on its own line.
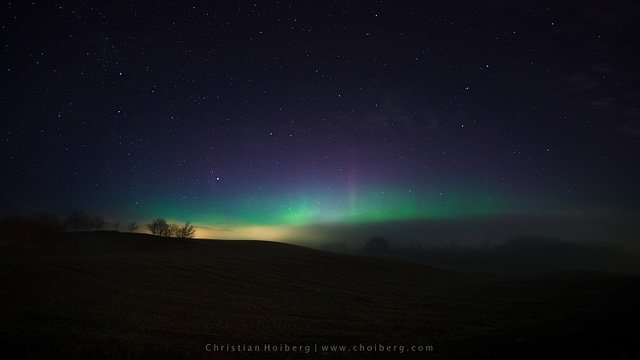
(617,229)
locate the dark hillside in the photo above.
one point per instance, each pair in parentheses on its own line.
(111,295)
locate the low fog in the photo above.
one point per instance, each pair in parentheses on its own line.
(618,229)
(594,241)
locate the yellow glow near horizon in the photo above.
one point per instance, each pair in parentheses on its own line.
(272,233)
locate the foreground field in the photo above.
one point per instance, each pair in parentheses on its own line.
(109,295)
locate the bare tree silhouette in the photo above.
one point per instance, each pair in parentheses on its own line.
(132,227)
(186,231)
(173,230)
(159,227)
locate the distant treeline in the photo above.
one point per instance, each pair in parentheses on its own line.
(160,227)
(79,220)
(31,227)
(46,225)
(514,249)
(521,249)
(521,253)
(43,225)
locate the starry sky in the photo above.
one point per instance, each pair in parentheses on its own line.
(273,119)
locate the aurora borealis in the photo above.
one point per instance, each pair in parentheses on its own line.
(259,120)
(372,205)
(275,214)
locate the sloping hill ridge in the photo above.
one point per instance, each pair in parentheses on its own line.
(113,295)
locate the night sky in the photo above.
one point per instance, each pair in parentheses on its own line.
(273,119)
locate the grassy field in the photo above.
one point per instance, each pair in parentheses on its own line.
(112,295)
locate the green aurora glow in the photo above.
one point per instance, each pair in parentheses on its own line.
(368,205)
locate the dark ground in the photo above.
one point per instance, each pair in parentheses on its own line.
(116,295)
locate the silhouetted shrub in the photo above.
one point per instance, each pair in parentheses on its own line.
(173,230)
(159,227)
(185,231)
